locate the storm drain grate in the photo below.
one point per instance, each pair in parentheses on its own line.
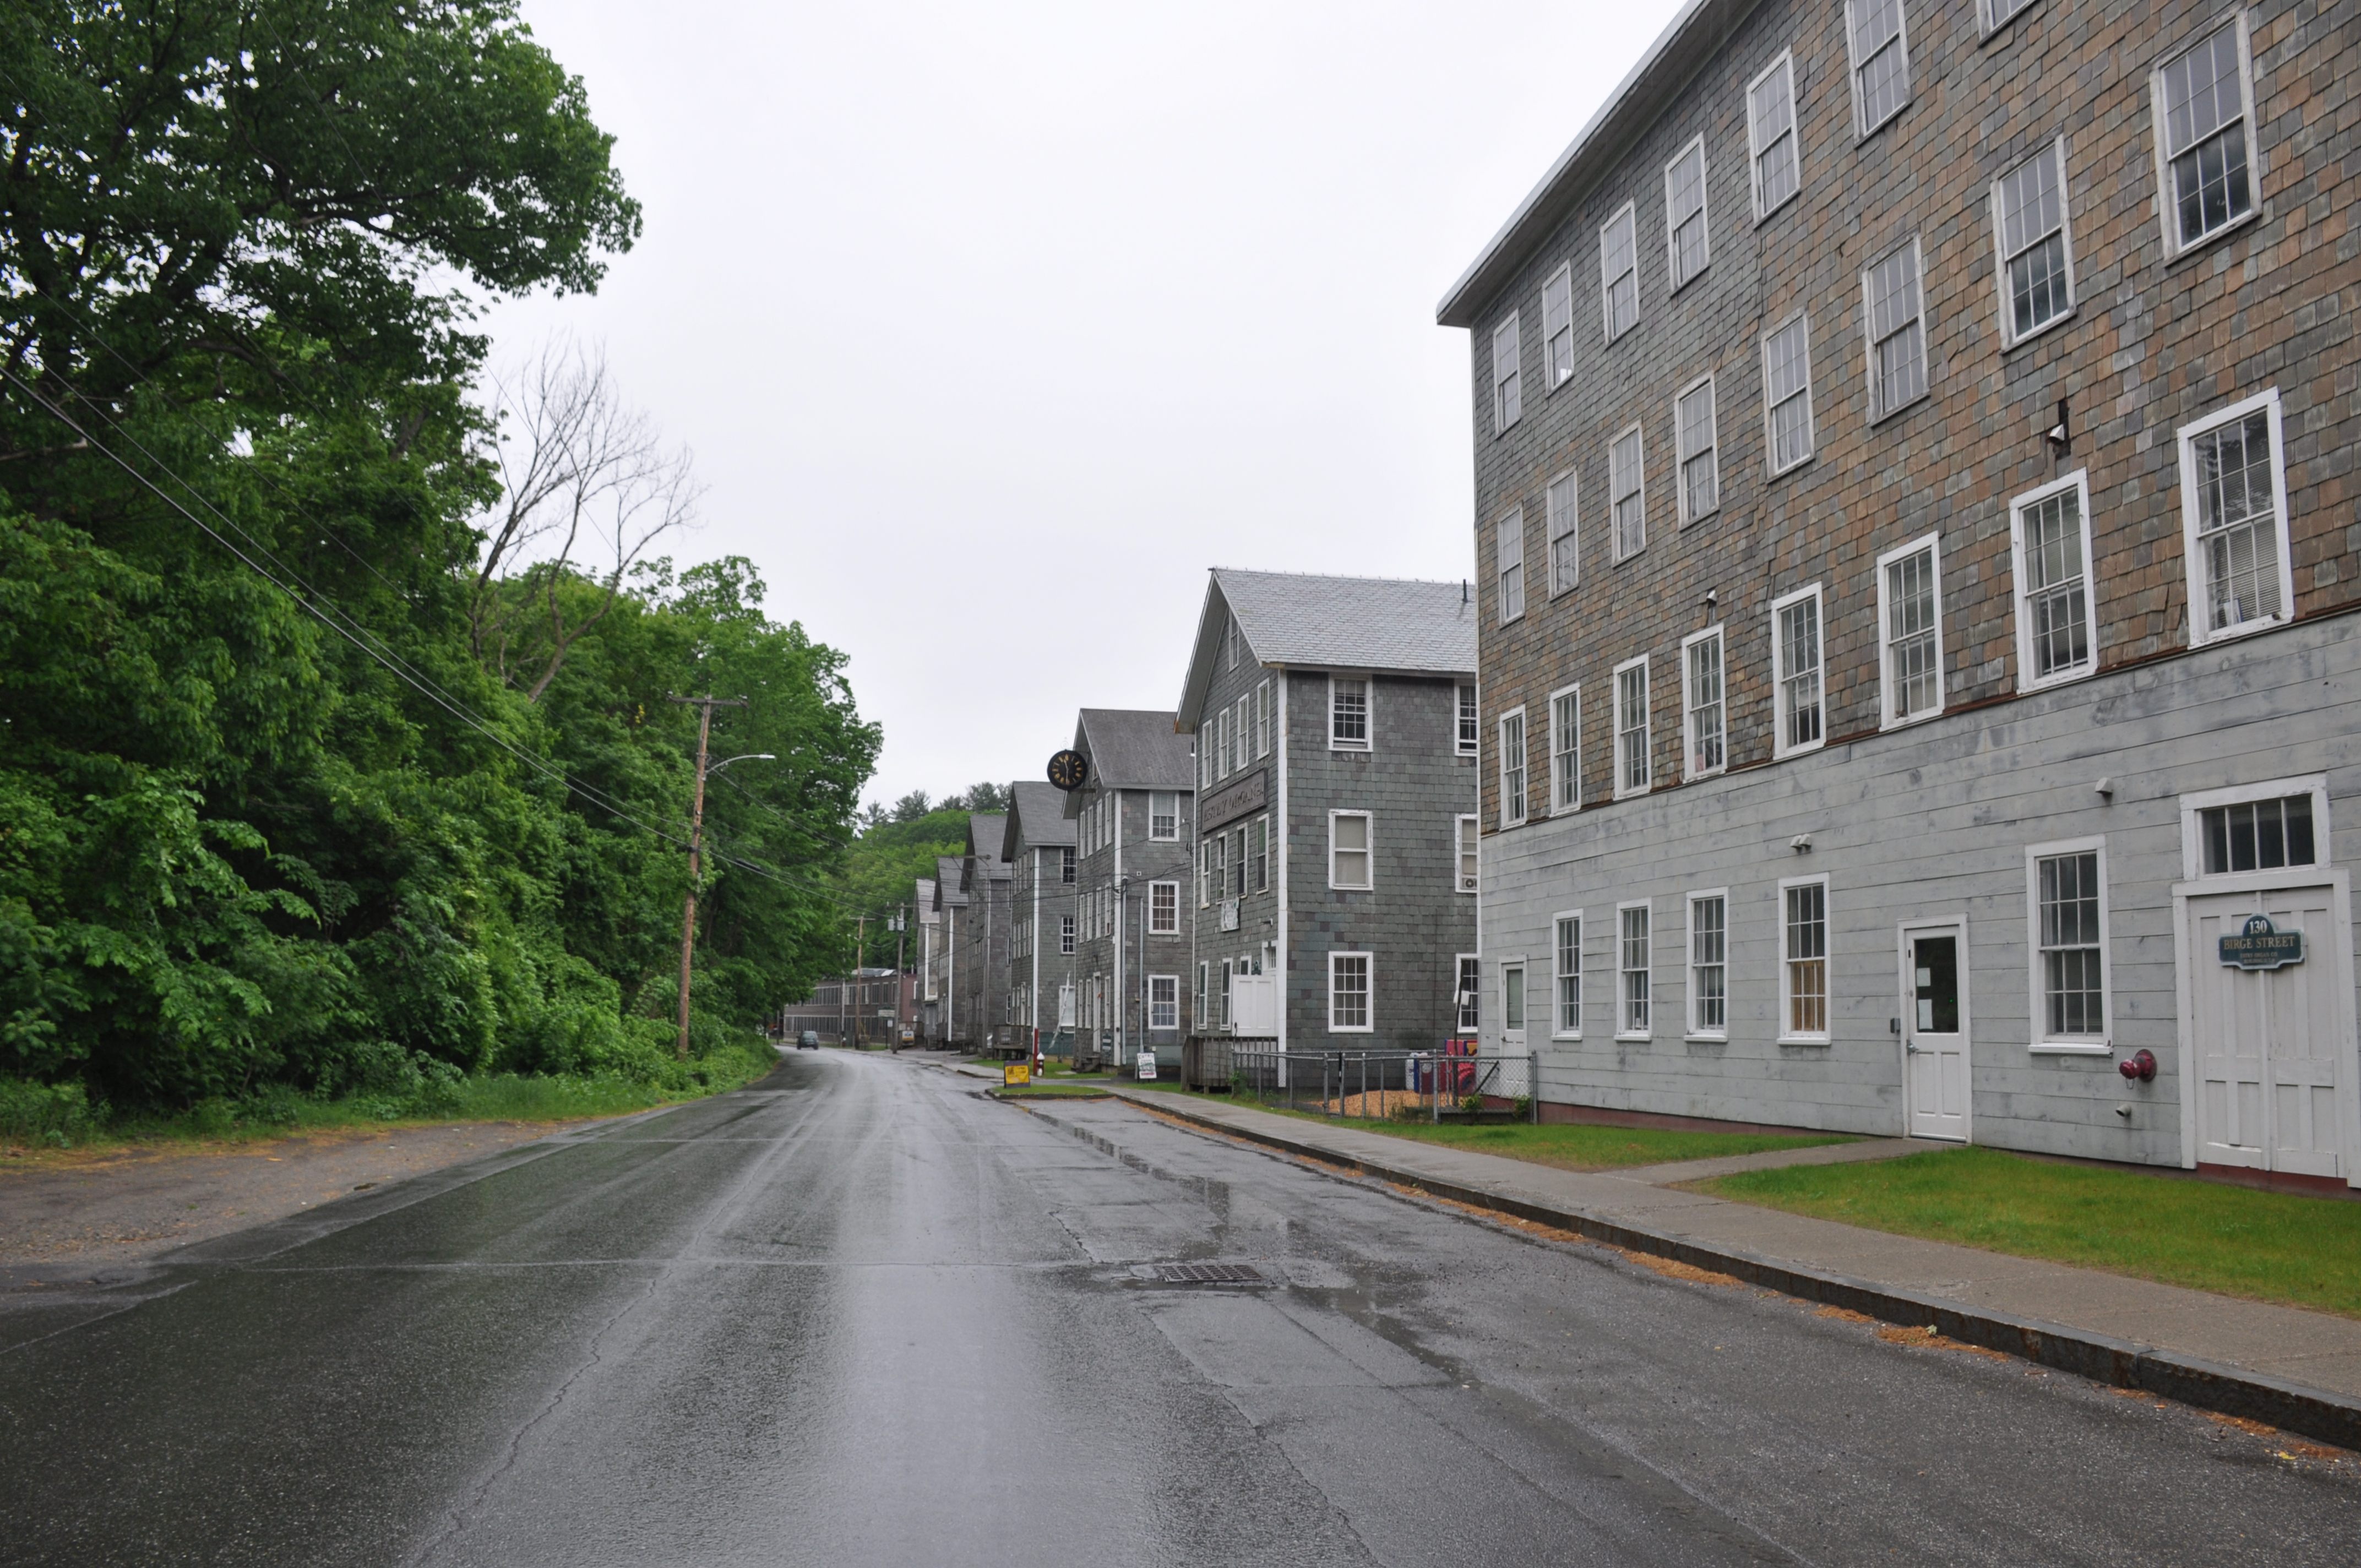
(1208,1274)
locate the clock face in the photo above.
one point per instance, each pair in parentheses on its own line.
(1067,770)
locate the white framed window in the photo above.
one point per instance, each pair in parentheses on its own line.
(1513,767)
(2234,518)
(1704,727)
(2277,825)
(1214,870)
(1557,325)
(1228,971)
(1262,719)
(2050,533)
(1225,757)
(1910,632)
(1066,866)
(1469,831)
(1565,972)
(1563,508)
(1204,738)
(1634,989)
(1348,713)
(1259,855)
(1880,48)
(1467,734)
(1239,842)
(1508,378)
(1199,996)
(1709,964)
(1771,144)
(1066,934)
(1513,1001)
(1245,711)
(1566,748)
(1164,909)
(1633,768)
(1796,692)
(1787,394)
(1164,816)
(1626,482)
(2035,245)
(1804,961)
(1230,643)
(1164,1002)
(1687,246)
(2066,910)
(1894,318)
(1348,994)
(1470,999)
(1998,13)
(1509,562)
(2201,102)
(1348,850)
(1693,446)
(1619,273)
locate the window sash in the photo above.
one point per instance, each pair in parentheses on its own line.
(1509,559)
(2073,953)
(1708,965)
(1512,768)
(1348,991)
(1880,62)
(1801,721)
(1468,733)
(2053,584)
(1568,975)
(1508,402)
(1164,817)
(1163,1002)
(2256,836)
(1566,750)
(1164,908)
(1701,691)
(1262,719)
(1558,324)
(1805,955)
(1693,438)
(1914,675)
(2029,208)
(1260,851)
(1770,137)
(1348,850)
(1636,991)
(1469,832)
(2238,522)
(1619,273)
(1897,336)
(1687,240)
(1562,510)
(1626,482)
(1348,713)
(1631,760)
(1470,1000)
(1513,1000)
(1787,393)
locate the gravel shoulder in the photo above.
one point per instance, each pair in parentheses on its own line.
(123,1205)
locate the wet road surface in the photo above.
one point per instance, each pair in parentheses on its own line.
(859,1314)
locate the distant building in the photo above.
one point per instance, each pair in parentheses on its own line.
(927,935)
(1333,895)
(1133,820)
(980,945)
(952,1024)
(1039,845)
(870,1009)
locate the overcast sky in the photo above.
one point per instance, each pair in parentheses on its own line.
(994,326)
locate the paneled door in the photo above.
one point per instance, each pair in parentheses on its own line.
(2269,1043)
(1935,1030)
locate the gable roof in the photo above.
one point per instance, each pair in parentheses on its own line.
(1037,816)
(1134,748)
(951,881)
(925,898)
(985,832)
(1702,27)
(1385,625)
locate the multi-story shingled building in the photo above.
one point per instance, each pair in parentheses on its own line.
(1915,462)
(984,1019)
(927,935)
(953,1025)
(1039,844)
(1133,821)
(1336,722)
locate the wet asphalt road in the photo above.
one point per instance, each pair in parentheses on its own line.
(863,1315)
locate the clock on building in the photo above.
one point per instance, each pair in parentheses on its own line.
(1067,770)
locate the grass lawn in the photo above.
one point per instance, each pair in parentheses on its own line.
(1573,1146)
(2273,1246)
(1082,1090)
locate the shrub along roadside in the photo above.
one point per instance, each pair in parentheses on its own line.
(63,1116)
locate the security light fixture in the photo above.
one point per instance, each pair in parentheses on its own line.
(2060,438)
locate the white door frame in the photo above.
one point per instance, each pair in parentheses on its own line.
(1905,997)
(2348,1076)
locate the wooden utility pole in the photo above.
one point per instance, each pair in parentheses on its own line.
(901,930)
(860,951)
(705,707)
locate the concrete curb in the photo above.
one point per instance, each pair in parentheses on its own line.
(2319,1413)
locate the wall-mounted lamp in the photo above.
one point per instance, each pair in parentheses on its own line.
(1712,597)
(1801,843)
(2060,438)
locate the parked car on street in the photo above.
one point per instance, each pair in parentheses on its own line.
(808,1040)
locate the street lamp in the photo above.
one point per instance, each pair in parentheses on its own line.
(705,705)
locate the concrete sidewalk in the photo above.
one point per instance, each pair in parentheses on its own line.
(2292,1368)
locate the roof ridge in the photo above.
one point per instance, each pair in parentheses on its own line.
(1338,576)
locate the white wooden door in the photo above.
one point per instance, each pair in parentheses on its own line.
(2269,1043)
(1256,1003)
(1935,1030)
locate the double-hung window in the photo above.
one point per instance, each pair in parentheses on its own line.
(1164,1002)
(1222,755)
(1880,62)
(1508,377)
(1513,767)
(1246,730)
(1771,144)
(1259,851)
(1470,1000)
(1164,817)
(1631,764)
(2202,103)
(2234,515)
(1627,483)
(2066,898)
(1703,710)
(1565,556)
(1469,830)
(1469,733)
(1348,994)
(1693,441)
(1566,750)
(1998,13)
(1509,561)
(1795,672)
(1567,1020)
(1066,866)
(1910,631)
(1066,934)
(1348,713)
(1557,325)
(1686,246)
(2050,532)
(1262,719)
(1619,273)
(1787,394)
(1164,909)
(1803,959)
(1634,991)
(1894,313)
(1238,844)
(1709,964)
(1348,850)
(2035,269)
